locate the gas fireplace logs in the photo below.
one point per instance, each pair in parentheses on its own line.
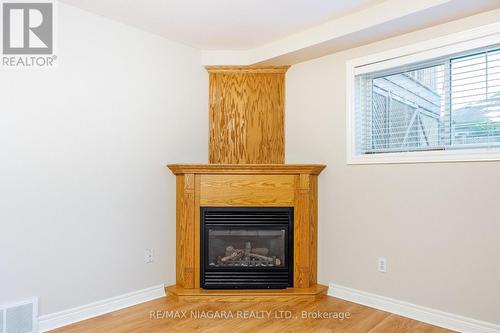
(248,256)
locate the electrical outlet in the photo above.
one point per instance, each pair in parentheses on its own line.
(382,265)
(148,256)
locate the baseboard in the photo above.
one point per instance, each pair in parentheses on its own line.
(70,316)
(413,311)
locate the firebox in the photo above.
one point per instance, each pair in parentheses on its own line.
(246,247)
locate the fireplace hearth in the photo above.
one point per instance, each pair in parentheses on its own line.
(246,247)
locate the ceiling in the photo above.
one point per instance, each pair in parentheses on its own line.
(281,32)
(223,24)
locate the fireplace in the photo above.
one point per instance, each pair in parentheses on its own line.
(266,247)
(246,247)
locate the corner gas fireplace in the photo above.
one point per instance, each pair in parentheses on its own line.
(246,247)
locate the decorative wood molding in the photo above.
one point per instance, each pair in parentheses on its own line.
(196,261)
(248,69)
(302,231)
(227,169)
(185,224)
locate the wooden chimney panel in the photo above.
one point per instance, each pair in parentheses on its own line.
(246,115)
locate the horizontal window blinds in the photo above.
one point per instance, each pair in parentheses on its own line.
(447,103)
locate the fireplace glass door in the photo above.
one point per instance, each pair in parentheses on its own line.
(246,247)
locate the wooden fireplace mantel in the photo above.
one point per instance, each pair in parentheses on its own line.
(278,185)
(271,169)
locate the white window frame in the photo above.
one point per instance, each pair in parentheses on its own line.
(454,43)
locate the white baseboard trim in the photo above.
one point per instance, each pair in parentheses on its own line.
(70,316)
(413,311)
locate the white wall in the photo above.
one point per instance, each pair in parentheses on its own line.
(83,147)
(438,225)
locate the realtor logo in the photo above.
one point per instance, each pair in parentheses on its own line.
(28,29)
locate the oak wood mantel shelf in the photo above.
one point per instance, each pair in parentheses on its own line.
(237,185)
(270,169)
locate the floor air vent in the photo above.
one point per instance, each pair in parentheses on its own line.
(19,317)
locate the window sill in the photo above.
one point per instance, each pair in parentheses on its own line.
(483,155)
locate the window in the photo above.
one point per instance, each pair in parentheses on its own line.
(442,105)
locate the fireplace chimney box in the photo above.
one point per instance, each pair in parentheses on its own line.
(246,115)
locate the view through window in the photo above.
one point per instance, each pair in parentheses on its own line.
(446,103)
